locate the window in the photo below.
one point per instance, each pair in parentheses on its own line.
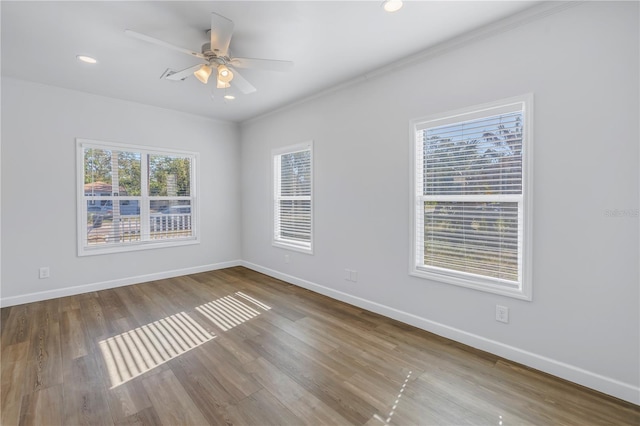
(292,197)
(133,198)
(472,198)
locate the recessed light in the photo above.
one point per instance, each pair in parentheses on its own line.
(392,5)
(229,97)
(87,59)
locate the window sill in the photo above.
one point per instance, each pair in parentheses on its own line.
(147,245)
(293,247)
(474,282)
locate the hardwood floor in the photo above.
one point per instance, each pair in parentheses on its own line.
(237,347)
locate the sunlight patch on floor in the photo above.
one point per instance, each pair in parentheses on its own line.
(252,300)
(387,421)
(130,354)
(228,312)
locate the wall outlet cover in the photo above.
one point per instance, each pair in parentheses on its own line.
(44,272)
(502,313)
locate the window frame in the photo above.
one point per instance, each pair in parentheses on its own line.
(144,199)
(277,241)
(523,289)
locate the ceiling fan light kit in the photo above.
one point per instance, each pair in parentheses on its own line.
(203,73)
(224,74)
(215,54)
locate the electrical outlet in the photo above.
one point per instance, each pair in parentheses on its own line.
(44,272)
(502,314)
(287,259)
(351,275)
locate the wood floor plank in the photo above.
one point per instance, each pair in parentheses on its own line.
(43,407)
(317,357)
(303,404)
(381,394)
(237,347)
(127,400)
(69,302)
(263,409)
(180,291)
(486,397)
(146,417)
(17,326)
(85,393)
(372,360)
(142,309)
(216,284)
(163,298)
(434,395)
(92,315)
(13,372)
(171,402)
(316,340)
(564,395)
(211,398)
(45,359)
(266,352)
(316,379)
(73,334)
(4,317)
(112,306)
(341,330)
(227,371)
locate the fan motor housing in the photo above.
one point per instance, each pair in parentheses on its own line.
(211,55)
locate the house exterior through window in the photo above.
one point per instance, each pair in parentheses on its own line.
(132,197)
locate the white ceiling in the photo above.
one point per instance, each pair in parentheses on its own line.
(330,43)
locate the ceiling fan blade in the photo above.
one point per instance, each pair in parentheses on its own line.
(181,75)
(158,42)
(221,32)
(241,83)
(264,64)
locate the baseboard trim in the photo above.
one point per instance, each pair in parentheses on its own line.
(607,385)
(104,285)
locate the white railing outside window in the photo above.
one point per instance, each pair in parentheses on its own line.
(133,197)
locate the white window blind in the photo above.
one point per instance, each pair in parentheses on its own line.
(470,195)
(292,171)
(134,197)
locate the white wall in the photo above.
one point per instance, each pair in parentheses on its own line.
(581,64)
(39,127)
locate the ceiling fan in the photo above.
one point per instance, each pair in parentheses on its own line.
(216,58)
